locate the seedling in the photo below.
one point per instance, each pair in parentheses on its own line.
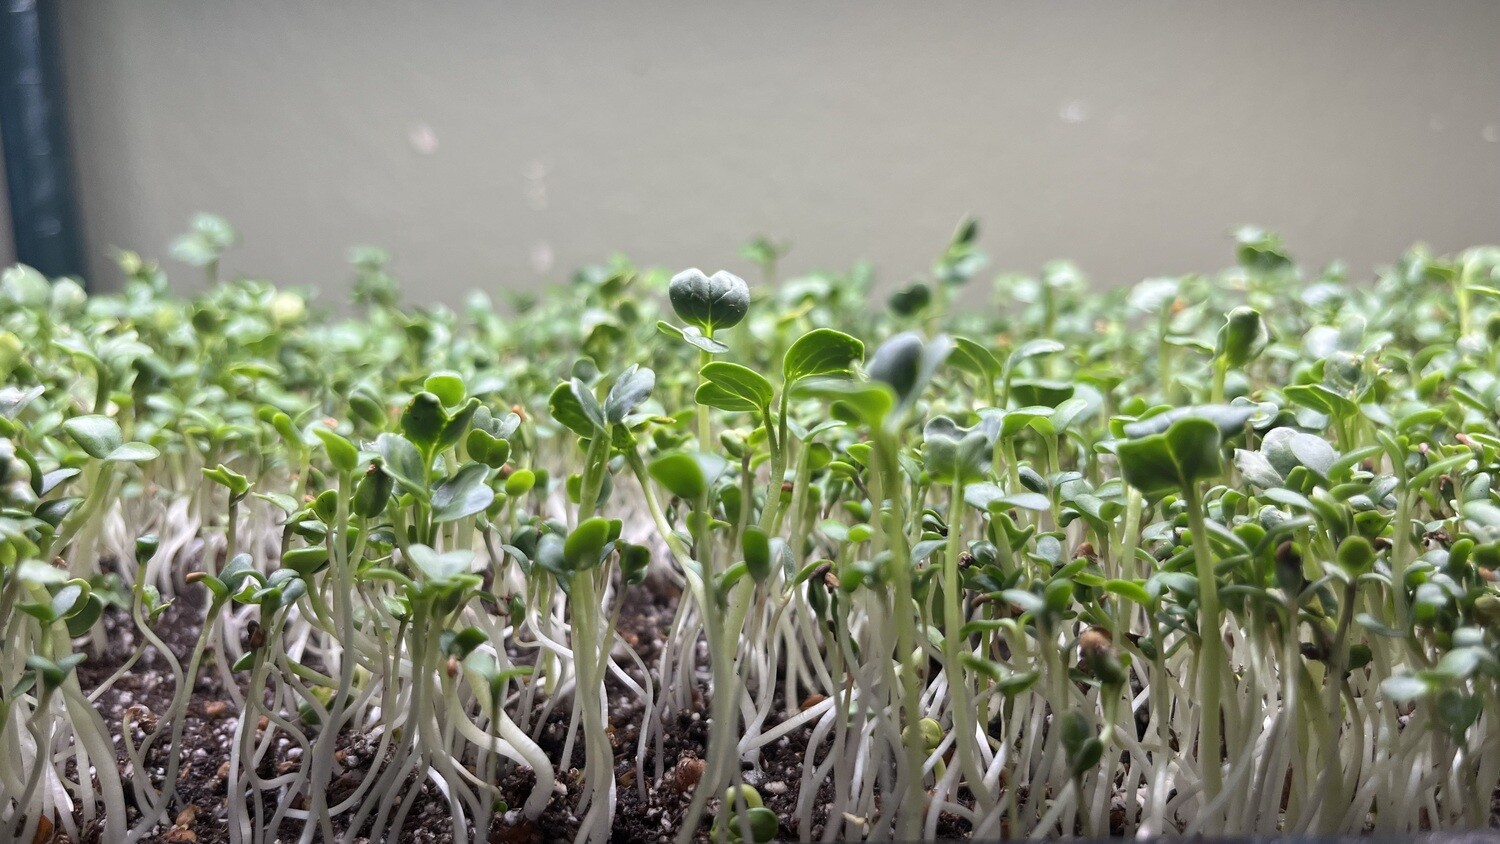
(1209,555)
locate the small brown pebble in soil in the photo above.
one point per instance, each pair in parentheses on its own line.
(688,772)
(522,833)
(180,835)
(261,722)
(143,718)
(215,709)
(188,816)
(223,772)
(810,701)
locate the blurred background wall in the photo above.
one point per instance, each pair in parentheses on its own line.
(492,145)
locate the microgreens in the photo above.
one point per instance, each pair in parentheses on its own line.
(1211,554)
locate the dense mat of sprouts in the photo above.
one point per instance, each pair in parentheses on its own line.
(1201,555)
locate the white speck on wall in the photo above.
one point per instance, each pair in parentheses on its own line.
(536,184)
(423,139)
(541,257)
(1491,132)
(1074,111)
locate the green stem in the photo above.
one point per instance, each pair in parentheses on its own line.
(588,654)
(1212,658)
(908,775)
(953,647)
(704,428)
(1331,780)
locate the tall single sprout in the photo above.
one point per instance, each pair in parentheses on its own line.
(1176,452)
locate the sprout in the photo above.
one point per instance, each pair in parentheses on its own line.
(709,302)
(1090,593)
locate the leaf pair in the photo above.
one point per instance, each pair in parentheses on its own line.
(688,475)
(489,437)
(709,302)
(432,425)
(575,407)
(905,363)
(899,370)
(1184,452)
(955,454)
(738,389)
(100,438)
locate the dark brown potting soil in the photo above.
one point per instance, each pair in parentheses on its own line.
(200,814)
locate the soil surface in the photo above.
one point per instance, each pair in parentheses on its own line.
(651,803)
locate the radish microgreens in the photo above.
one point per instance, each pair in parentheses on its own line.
(1207,555)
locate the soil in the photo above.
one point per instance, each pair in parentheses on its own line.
(653,816)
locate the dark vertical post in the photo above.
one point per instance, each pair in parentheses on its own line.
(33,128)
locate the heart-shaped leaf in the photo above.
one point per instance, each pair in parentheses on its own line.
(974,358)
(734,388)
(955,454)
(1039,347)
(403,463)
(98,436)
(423,420)
(1256,469)
(631,389)
(906,363)
(463,494)
(439,567)
(687,474)
(447,386)
(1243,337)
(132,452)
(709,302)
(870,402)
(693,336)
(988,496)
(1195,448)
(341,452)
(1188,452)
(573,405)
(1230,419)
(822,351)
(584,547)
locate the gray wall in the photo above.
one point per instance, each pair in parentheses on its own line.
(7,242)
(493,145)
